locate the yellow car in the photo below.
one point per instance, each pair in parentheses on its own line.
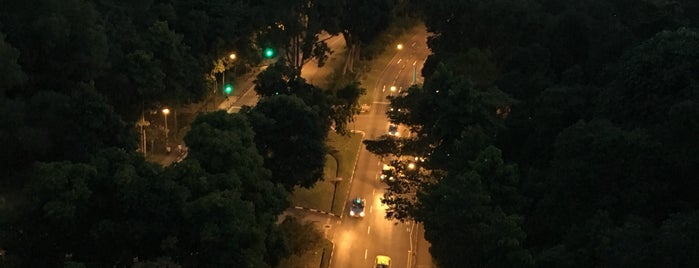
(382,261)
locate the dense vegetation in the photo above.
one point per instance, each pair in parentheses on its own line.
(75,75)
(555,133)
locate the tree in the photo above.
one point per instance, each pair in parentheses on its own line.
(614,171)
(78,125)
(233,213)
(360,23)
(461,207)
(62,43)
(291,140)
(210,131)
(292,27)
(51,219)
(345,105)
(335,107)
(677,241)
(11,73)
(275,79)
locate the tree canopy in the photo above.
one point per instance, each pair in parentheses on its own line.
(553,133)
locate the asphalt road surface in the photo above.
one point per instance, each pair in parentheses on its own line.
(358,240)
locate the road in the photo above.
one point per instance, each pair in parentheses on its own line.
(358,241)
(310,72)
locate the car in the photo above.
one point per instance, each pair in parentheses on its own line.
(387,172)
(357,207)
(382,261)
(393,130)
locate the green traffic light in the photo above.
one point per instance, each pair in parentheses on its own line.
(228,89)
(269,52)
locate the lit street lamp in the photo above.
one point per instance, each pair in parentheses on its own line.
(399,46)
(166,111)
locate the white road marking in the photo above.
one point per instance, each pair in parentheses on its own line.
(368,230)
(399,61)
(365,252)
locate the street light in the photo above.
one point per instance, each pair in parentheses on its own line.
(166,111)
(231,56)
(399,46)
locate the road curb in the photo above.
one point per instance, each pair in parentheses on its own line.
(317,211)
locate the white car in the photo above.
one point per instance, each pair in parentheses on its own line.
(386,172)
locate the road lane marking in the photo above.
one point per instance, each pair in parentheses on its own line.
(399,61)
(365,252)
(371,209)
(368,230)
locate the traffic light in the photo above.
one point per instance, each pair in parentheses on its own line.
(268,53)
(228,89)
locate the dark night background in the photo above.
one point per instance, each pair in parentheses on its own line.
(556,133)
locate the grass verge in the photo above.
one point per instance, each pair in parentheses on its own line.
(345,150)
(311,258)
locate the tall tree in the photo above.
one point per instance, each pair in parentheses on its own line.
(62,43)
(292,28)
(11,73)
(467,207)
(360,22)
(290,137)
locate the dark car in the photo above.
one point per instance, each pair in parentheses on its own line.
(357,207)
(393,130)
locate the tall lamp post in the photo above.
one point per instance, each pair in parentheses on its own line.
(166,111)
(232,56)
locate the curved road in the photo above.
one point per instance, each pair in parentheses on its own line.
(358,241)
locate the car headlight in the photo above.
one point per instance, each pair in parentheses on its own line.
(351,213)
(361,214)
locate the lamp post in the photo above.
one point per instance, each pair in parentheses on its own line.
(232,56)
(166,111)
